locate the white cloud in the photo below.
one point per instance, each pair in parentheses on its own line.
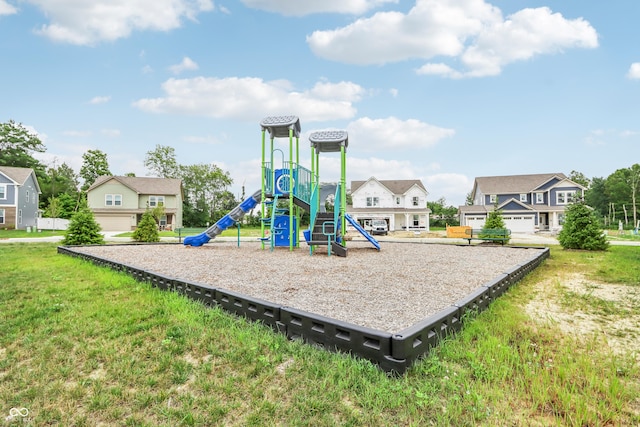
(452,186)
(634,71)
(99,100)
(187,64)
(7,9)
(307,7)
(394,134)
(111,133)
(252,98)
(90,22)
(472,32)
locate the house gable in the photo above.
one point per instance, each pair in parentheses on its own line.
(20,196)
(514,205)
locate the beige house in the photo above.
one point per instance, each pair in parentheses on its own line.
(118,202)
(402,203)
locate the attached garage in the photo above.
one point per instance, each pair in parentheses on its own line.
(116,222)
(520,223)
(475,221)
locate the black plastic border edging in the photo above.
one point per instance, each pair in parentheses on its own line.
(393,353)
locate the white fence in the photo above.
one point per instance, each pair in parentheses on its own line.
(52,223)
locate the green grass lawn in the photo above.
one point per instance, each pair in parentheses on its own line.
(83,345)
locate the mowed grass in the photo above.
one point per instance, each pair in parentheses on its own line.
(83,345)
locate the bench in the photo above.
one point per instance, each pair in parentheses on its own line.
(488,234)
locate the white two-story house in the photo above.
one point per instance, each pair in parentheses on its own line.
(401,203)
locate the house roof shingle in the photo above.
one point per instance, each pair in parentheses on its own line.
(144,185)
(396,186)
(19,175)
(514,183)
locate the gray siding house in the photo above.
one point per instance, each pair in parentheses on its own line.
(19,198)
(529,203)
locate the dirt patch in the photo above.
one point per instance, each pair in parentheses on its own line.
(579,306)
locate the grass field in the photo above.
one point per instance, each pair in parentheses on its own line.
(82,345)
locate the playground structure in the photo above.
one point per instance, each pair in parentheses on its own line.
(289,189)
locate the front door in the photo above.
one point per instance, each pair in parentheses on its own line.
(544,221)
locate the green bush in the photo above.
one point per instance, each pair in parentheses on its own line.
(581,229)
(494,220)
(83,229)
(147,230)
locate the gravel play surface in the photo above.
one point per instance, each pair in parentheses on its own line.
(387,290)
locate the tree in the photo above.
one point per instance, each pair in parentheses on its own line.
(623,190)
(83,229)
(62,206)
(162,161)
(581,229)
(469,199)
(17,145)
(494,220)
(596,196)
(580,178)
(58,180)
(147,229)
(205,186)
(442,215)
(94,164)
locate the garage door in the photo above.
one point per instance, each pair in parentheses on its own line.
(519,223)
(475,221)
(114,222)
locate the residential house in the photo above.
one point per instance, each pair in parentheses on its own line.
(118,202)
(19,198)
(402,203)
(529,203)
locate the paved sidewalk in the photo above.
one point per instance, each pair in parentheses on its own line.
(516,238)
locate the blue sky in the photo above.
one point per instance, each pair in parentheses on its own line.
(437,90)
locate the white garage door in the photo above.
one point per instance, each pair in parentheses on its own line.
(114,222)
(475,221)
(519,223)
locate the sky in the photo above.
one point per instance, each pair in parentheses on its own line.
(438,90)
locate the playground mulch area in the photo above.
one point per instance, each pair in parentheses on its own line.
(387,290)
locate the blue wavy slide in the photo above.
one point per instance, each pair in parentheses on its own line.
(229,220)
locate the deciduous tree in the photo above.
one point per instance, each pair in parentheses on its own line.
(17,146)
(94,164)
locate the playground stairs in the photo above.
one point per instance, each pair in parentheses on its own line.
(324,233)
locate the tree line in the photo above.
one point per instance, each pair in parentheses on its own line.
(206,186)
(63,191)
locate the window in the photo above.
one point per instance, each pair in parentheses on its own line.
(539,198)
(414,201)
(19,216)
(397,200)
(3,191)
(523,197)
(373,201)
(493,198)
(416,220)
(564,197)
(113,199)
(27,196)
(1,216)
(156,201)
